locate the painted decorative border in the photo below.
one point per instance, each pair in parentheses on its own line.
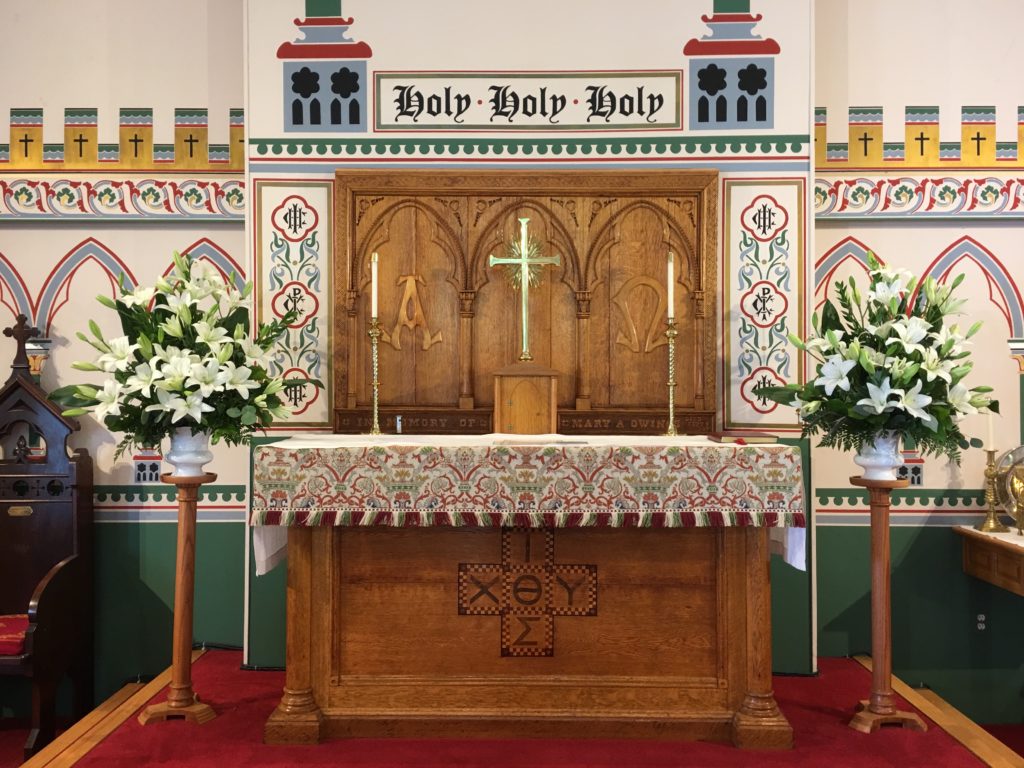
(293,246)
(134,494)
(764,262)
(905,497)
(790,146)
(153,199)
(936,197)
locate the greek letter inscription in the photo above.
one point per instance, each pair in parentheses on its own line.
(531,591)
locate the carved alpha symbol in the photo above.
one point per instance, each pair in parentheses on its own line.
(527,589)
(417,319)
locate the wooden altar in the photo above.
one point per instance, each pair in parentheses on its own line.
(620,591)
(482,586)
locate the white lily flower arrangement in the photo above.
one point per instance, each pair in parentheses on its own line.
(186,359)
(889,360)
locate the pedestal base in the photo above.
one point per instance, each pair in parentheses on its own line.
(196,712)
(867,721)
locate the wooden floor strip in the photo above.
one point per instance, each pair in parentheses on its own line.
(102,721)
(983,744)
(46,755)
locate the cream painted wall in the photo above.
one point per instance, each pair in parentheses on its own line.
(918,53)
(111,54)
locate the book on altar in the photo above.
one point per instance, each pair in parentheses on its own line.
(742,438)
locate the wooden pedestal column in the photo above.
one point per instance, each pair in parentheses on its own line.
(182,701)
(880,709)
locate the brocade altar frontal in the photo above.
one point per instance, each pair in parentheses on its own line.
(538,481)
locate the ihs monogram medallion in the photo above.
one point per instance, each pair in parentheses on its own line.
(527,589)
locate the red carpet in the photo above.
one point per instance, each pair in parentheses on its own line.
(12,743)
(818,708)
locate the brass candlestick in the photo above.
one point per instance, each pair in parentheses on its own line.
(991,523)
(374,334)
(670,334)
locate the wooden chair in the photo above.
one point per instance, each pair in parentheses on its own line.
(46,568)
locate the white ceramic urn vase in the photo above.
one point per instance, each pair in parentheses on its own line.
(881,458)
(189,452)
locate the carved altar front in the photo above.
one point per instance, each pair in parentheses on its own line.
(598,318)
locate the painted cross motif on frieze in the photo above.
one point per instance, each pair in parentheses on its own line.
(528,589)
(526,255)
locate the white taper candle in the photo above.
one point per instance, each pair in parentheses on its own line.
(671,286)
(991,444)
(373,285)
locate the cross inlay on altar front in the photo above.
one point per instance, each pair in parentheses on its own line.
(524,263)
(21,332)
(527,589)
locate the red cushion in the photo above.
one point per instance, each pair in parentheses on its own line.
(12,634)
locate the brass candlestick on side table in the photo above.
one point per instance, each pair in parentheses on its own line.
(991,523)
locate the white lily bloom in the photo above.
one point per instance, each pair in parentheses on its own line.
(213,336)
(172,327)
(109,400)
(208,376)
(910,332)
(934,367)
(140,296)
(950,332)
(878,397)
(239,380)
(821,344)
(120,355)
(254,353)
(834,374)
(193,407)
(232,300)
(883,293)
(913,402)
(175,372)
(175,301)
(206,280)
(805,407)
(143,379)
(164,399)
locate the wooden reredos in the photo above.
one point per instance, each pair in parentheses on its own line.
(450,321)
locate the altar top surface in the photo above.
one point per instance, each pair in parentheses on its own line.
(525,480)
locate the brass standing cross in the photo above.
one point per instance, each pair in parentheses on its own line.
(522,258)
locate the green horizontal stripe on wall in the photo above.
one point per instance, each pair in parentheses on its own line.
(702,145)
(162,492)
(905,497)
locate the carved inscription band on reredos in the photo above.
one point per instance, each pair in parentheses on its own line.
(528,590)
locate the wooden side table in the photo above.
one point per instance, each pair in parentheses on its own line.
(880,709)
(182,701)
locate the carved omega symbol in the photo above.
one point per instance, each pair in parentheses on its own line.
(527,589)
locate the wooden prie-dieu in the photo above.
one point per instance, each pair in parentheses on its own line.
(401,625)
